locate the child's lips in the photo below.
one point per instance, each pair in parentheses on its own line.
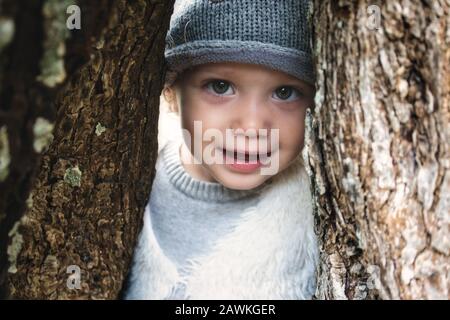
(243,162)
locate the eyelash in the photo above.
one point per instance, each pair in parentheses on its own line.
(212,91)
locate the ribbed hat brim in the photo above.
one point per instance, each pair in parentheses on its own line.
(293,62)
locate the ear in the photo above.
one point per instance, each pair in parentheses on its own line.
(169,94)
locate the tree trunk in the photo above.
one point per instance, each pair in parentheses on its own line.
(101,95)
(378,148)
(37,51)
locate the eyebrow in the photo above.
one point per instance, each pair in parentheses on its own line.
(218,72)
(229,72)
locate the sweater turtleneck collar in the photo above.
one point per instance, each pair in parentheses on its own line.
(197,189)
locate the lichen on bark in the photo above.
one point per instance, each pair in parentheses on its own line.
(42,131)
(5,157)
(73,176)
(56,33)
(90,190)
(7,29)
(14,247)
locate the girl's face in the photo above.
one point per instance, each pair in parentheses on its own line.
(250,102)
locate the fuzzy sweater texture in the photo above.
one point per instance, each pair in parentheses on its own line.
(201,240)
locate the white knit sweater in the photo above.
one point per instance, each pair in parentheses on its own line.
(270,254)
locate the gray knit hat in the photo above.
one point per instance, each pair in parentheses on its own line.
(272,33)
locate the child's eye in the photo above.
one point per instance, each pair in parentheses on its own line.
(284,93)
(220,87)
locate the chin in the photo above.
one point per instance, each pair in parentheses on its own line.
(239,181)
(242,185)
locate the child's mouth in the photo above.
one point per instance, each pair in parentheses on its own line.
(245,162)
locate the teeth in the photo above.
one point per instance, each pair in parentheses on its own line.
(245,156)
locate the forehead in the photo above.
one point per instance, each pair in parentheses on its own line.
(241,70)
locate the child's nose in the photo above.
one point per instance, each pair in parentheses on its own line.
(252,114)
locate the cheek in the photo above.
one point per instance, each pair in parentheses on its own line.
(197,108)
(190,110)
(197,117)
(292,131)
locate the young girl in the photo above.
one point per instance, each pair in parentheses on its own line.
(240,226)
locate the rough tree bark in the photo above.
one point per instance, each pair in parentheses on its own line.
(86,202)
(36,54)
(378,148)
